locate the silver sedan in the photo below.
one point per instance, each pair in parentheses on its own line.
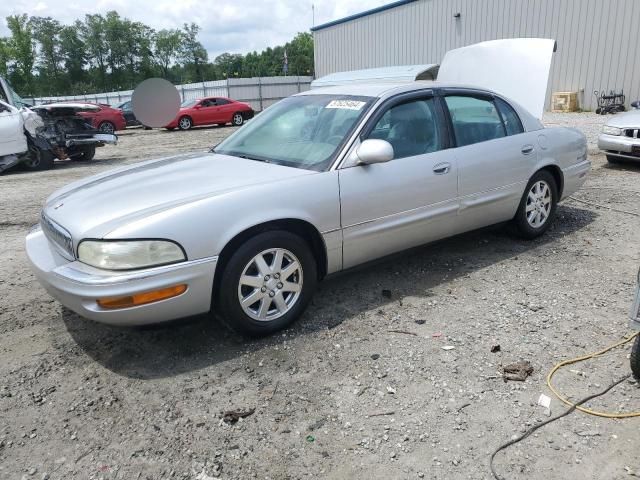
(318,183)
(620,137)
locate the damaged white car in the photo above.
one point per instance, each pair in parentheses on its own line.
(35,136)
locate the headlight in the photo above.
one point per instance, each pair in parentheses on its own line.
(611,130)
(129,254)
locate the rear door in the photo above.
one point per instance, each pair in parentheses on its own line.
(493,153)
(226,109)
(408,201)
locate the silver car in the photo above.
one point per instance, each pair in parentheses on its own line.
(318,183)
(620,137)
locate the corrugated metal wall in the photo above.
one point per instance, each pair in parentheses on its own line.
(259,92)
(598,40)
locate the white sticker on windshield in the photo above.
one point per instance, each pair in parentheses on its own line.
(346,104)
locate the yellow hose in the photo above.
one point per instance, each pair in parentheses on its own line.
(580,359)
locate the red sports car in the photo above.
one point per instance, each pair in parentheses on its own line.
(210,111)
(103,117)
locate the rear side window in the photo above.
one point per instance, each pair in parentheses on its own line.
(512,122)
(221,101)
(474,119)
(411,128)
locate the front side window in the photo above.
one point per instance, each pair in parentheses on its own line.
(512,122)
(303,131)
(411,128)
(474,119)
(221,101)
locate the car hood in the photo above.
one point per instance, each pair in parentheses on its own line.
(630,119)
(97,205)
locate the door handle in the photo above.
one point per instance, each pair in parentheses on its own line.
(442,168)
(527,149)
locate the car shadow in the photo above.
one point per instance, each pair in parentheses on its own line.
(191,344)
(624,165)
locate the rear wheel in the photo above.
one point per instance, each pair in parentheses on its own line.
(267,283)
(107,127)
(635,358)
(185,123)
(38,159)
(538,206)
(237,119)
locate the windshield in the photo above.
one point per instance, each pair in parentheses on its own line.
(14,99)
(302,131)
(188,103)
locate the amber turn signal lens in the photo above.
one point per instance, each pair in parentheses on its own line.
(141,298)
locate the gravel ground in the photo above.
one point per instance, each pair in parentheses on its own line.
(361,387)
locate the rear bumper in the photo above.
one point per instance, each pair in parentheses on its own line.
(574,177)
(77,286)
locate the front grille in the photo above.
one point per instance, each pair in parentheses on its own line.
(58,236)
(632,132)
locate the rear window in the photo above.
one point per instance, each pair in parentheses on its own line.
(512,122)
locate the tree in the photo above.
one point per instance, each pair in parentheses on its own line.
(73,54)
(22,49)
(5,56)
(192,53)
(167,48)
(46,31)
(93,35)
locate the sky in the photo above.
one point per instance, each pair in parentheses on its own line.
(235,26)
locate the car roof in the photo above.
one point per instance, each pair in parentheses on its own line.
(384,90)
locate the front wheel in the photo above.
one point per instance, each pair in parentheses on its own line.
(538,206)
(612,159)
(38,159)
(635,358)
(185,123)
(84,153)
(267,283)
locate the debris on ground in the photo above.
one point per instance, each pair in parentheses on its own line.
(448,347)
(495,348)
(518,371)
(232,416)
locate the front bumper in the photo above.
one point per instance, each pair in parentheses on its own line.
(619,145)
(77,286)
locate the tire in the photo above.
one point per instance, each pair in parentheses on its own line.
(171,129)
(85,153)
(612,159)
(147,128)
(237,119)
(635,358)
(38,160)
(107,127)
(185,123)
(542,206)
(265,282)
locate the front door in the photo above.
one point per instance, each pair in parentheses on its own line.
(12,138)
(408,201)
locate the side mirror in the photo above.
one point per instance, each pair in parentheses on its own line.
(636,104)
(374,150)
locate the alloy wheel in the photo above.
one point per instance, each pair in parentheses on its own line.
(107,127)
(270,284)
(237,119)
(185,123)
(539,202)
